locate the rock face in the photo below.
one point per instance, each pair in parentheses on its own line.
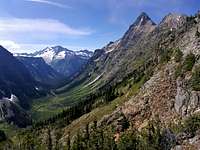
(186,142)
(111,46)
(187,101)
(115,61)
(182,98)
(173,20)
(41,71)
(12,113)
(137,30)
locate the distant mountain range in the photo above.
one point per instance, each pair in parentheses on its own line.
(66,62)
(27,76)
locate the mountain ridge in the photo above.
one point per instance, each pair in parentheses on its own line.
(65,61)
(17,89)
(41,71)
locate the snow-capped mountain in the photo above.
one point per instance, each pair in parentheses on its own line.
(63,60)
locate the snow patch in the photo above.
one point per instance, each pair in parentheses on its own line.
(47,55)
(97,78)
(82,53)
(112,46)
(60,55)
(50,54)
(178,18)
(12,98)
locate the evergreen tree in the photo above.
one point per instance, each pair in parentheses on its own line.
(68,141)
(197,33)
(49,142)
(178,55)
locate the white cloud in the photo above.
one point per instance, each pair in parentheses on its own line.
(10,45)
(28,35)
(15,47)
(50,3)
(34,26)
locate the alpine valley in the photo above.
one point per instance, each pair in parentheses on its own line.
(140,92)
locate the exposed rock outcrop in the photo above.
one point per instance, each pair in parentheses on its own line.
(187,101)
(12,113)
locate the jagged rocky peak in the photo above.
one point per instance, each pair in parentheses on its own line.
(173,20)
(143,19)
(141,27)
(142,22)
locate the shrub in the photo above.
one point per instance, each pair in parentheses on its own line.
(192,124)
(189,62)
(165,55)
(2,136)
(129,141)
(195,80)
(178,71)
(167,140)
(197,34)
(178,55)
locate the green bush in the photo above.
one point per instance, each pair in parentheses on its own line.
(189,62)
(192,124)
(178,71)
(2,136)
(178,55)
(197,33)
(195,80)
(184,66)
(129,141)
(165,55)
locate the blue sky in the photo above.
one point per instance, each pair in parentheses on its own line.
(30,25)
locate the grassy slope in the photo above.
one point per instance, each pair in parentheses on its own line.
(44,108)
(103,110)
(51,105)
(9,129)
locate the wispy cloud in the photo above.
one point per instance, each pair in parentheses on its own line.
(21,34)
(15,47)
(41,26)
(10,45)
(49,3)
